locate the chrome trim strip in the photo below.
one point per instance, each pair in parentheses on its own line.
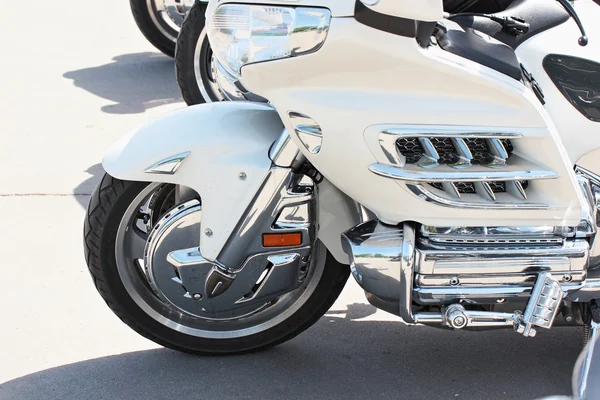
(433,132)
(491,279)
(521,173)
(530,257)
(498,152)
(167,165)
(484,189)
(387,142)
(431,156)
(591,190)
(421,192)
(308,131)
(516,189)
(496,232)
(406,273)
(463,152)
(451,189)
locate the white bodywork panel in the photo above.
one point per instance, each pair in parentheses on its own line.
(223,139)
(579,134)
(363,77)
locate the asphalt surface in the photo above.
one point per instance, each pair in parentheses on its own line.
(77,76)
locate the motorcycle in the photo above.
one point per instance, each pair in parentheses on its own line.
(447,161)
(202,80)
(160,20)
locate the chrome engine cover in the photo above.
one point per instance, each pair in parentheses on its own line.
(400,266)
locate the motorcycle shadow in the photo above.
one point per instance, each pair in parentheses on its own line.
(135,82)
(341,357)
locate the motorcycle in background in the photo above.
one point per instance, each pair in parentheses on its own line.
(160,21)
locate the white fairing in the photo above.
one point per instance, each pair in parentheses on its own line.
(224,140)
(363,78)
(579,134)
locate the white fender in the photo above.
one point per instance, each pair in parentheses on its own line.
(222,141)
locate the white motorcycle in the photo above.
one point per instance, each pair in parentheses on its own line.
(452,170)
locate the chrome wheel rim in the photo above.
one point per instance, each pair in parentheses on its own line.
(168,15)
(130,247)
(205,70)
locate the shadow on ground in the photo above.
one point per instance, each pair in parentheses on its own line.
(85,188)
(135,82)
(339,358)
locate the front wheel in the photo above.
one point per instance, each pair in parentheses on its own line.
(122,216)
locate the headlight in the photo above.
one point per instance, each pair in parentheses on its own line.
(242,34)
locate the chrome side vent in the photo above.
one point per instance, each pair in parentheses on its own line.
(456,152)
(460,169)
(308,131)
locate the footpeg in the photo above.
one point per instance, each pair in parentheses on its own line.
(542,306)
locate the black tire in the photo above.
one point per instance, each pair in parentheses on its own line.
(192,29)
(162,38)
(107,206)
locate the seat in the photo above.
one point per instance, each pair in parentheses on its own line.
(540,14)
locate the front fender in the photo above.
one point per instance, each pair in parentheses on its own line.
(223,140)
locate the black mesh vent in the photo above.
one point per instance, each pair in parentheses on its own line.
(412,149)
(498,186)
(465,187)
(480,151)
(469,187)
(445,149)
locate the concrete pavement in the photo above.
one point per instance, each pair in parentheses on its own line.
(76,76)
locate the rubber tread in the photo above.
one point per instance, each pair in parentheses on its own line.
(141,15)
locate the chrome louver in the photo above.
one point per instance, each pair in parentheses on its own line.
(461,169)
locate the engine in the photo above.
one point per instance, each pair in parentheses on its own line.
(460,276)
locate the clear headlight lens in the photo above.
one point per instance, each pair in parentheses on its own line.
(242,34)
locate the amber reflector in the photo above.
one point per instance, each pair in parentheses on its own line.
(282,239)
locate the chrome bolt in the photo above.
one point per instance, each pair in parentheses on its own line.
(567,278)
(569,318)
(197,296)
(459,321)
(454,281)
(208,232)
(242,175)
